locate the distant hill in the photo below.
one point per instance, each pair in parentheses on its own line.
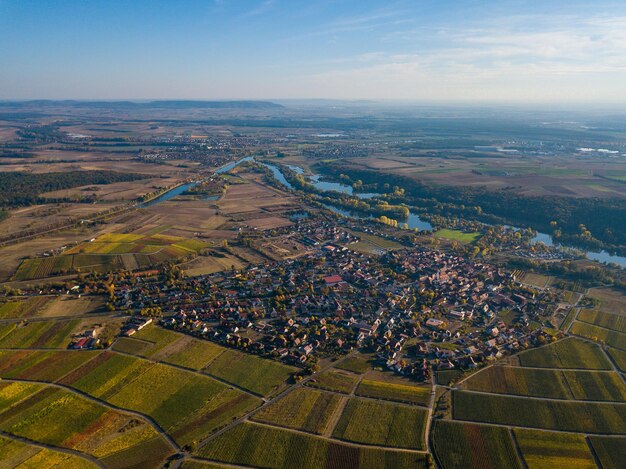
(161,104)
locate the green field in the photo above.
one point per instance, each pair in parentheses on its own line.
(567,353)
(254,445)
(40,334)
(18,455)
(255,374)
(394,392)
(303,409)
(602,418)
(354,364)
(42,365)
(147,342)
(610,451)
(456,235)
(617,322)
(446,377)
(65,419)
(334,381)
(609,337)
(22,308)
(619,356)
(460,446)
(558,384)
(381,423)
(544,450)
(196,354)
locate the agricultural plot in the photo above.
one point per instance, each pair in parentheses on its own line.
(384,424)
(610,451)
(456,235)
(254,445)
(446,377)
(609,337)
(556,384)
(619,357)
(30,307)
(65,419)
(567,353)
(544,450)
(255,374)
(106,253)
(303,409)
(18,455)
(334,381)
(537,280)
(354,364)
(42,334)
(192,353)
(601,418)
(46,366)
(615,322)
(460,445)
(147,342)
(394,392)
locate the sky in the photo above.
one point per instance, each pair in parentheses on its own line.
(509,51)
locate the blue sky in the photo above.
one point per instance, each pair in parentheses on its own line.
(419,50)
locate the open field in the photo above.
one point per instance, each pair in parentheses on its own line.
(254,445)
(619,356)
(543,450)
(381,423)
(461,445)
(610,451)
(456,235)
(19,455)
(611,301)
(612,338)
(203,265)
(354,364)
(394,392)
(616,322)
(537,280)
(557,384)
(42,365)
(258,375)
(303,409)
(334,381)
(567,353)
(41,334)
(605,418)
(25,308)
(65,419)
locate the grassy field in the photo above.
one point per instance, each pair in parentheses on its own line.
(460,445)
(604,418)
(147,342)
(537,280)
(111,251)
(41,334)
(612,338)
(558,384)
(619,356)
(253,445)
(394,392)
(456,235)
(354,364)
(381,423)
(616,322)
(65,419)
(610,451)
(303,409)
(193,353)
(446,377)
(567,353)
(334,381)
(543,450)
(256,374)
(26,308)
(18,455)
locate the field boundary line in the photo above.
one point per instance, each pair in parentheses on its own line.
(59,449)
(518,450)
(334,419)
(594,455)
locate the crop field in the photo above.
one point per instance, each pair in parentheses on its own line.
(612,338)
(193,353)
(537,280)
(42,334)
(553,450)
(446,377)
(30,307)
(147,342)
(259,375)
(105,254)
(16,454)
(567,353)
(41,365)
(619,356)
(610,451)
(302,409)
(604,418)
(456,235)
(334,381)
(354,364)
(612,301)
(460,445)
(254,445)
(616,322)
(394,392)
(62,418)
(557,384)
(381,423)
